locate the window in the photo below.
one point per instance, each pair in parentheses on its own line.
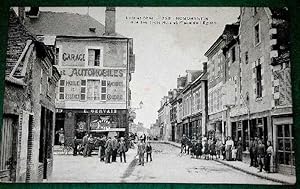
(286,144)
(41,82)
(94,57)
(257,34)
(246,57)
(103,90)
(61,90)
(56,56)
(48,87)
(233,54)
(93,89)
(258,81)
(83,90)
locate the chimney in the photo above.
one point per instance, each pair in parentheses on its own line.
(110,21)
(33,12)
(204,68)
(21,13)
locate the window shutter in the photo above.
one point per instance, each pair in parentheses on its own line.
(91,58)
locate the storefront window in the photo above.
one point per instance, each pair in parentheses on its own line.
(286,145)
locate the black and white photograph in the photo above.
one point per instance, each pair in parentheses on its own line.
(199,95)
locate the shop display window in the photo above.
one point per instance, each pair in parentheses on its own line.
(286,145)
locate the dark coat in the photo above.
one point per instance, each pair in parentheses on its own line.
(149,149)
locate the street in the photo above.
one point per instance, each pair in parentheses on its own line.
(168,166)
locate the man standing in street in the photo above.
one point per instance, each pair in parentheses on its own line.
(85,144)
(183,143)
(141,151)
(149,151)
(251,150)
(115,146)
(255,146)
(261,150)
(122,149)
(90,145)
(75,145)
(108,150)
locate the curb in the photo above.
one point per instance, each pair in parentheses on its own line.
(237,168)
(257,175)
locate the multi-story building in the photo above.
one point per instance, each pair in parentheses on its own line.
(188,102)
(95,64)
(26,153)
(266,81)
(173,114)
(218,125)
(155,130)
(195,103)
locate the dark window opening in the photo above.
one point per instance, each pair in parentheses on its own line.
(258,82)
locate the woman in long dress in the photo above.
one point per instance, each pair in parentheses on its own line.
(228,147)
(239,154)
(269,158)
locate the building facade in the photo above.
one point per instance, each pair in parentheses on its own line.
(187,106)
(95,64)
(218,111)
(27,135)
(265,63)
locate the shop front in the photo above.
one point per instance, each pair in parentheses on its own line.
(284,144)
(94,121)
(196,124)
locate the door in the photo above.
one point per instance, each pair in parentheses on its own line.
(173,132)
(8,148)
(23,145)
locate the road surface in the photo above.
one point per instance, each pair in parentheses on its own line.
(168,166)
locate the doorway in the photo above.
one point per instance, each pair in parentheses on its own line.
(8,148)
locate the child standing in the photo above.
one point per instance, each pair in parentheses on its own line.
(234,152)
(149,151)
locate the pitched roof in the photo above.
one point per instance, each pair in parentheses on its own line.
(65,24)
(18,36)
(230,30)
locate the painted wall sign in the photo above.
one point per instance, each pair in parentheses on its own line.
(100,111)
(92,72)
(73,57)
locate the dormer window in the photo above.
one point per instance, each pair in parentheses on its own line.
(92,29)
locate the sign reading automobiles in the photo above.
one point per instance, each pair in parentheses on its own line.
(93,84)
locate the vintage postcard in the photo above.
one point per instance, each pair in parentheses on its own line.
(148,95)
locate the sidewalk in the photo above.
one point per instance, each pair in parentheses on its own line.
(241,166)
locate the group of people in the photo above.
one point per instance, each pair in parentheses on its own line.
(206,147)
(143,149)
(108,149)
(111,147)
(261,156)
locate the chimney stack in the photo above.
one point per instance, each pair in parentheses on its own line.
(204,68)
(110,21)
(21,14)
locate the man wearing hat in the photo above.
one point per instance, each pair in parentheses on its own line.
(122,150)
(115,146)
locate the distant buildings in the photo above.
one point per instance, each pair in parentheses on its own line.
(246,91)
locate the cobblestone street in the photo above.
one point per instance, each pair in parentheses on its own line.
(168,166)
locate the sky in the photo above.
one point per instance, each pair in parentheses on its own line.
(162,51)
